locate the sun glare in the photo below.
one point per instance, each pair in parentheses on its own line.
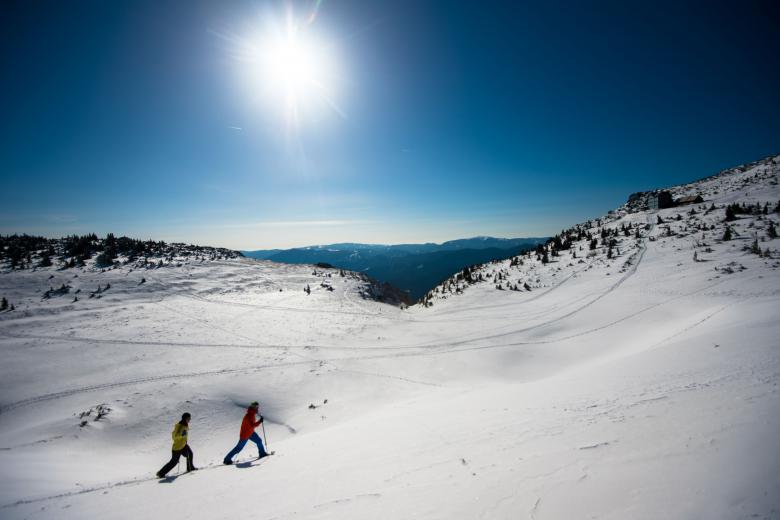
(292,67)
(293,71)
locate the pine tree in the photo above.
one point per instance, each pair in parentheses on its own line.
(727,234)
(4,304)
(730,215)
(771,231)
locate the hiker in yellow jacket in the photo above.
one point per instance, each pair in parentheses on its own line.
(180,447)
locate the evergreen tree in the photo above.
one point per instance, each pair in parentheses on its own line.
(4,304)
(771,231)
(727,234)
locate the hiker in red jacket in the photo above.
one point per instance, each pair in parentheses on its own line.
(248,426)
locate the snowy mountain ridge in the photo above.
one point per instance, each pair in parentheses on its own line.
(638,378)
(627,227)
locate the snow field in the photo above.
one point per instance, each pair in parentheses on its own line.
(610,390)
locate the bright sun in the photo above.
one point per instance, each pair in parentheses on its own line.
(293,71)
(293,67)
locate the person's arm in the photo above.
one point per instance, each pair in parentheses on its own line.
(175,431)
(258,422)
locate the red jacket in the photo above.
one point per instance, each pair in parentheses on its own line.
(249,424)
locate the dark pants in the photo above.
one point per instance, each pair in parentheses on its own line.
(175,454)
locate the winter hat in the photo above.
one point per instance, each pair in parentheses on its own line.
(254,404)
(185,415)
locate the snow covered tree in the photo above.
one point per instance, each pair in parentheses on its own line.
(727,234)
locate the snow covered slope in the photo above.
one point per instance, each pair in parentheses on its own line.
(636,383)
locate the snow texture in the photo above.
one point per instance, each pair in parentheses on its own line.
(639,386)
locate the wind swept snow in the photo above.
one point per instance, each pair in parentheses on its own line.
(636,383)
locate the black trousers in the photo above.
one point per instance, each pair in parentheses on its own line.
(175,454)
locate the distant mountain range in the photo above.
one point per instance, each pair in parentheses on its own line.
(415,268)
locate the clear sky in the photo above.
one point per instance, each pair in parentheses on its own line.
(390,122)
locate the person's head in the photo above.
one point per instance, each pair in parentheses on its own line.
(185,418)
(254,404)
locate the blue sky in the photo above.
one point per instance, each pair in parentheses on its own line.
(439,120)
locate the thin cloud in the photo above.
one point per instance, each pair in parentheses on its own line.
(292,224)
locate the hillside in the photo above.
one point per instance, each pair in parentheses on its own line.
(637,378)
(415,268)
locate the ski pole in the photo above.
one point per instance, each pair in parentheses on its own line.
(265,441)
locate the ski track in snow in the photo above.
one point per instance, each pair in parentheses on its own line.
(92,388)
(131,482)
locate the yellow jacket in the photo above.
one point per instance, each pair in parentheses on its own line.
(179,436)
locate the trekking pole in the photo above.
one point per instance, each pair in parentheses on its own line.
(265,441)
